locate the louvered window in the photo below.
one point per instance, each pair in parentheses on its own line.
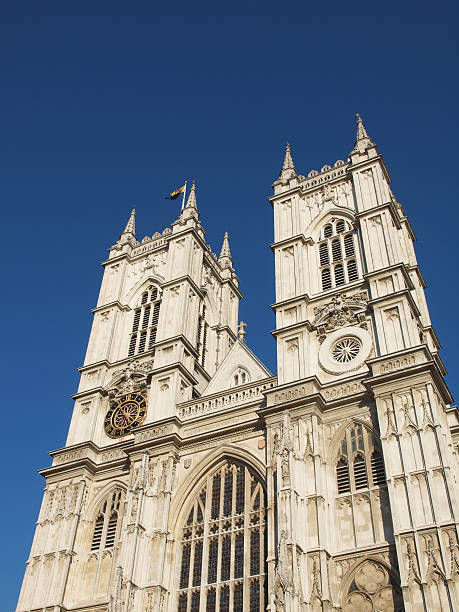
(360,472)
(342,476)
(97,535)
(324,258)
(377,469)
(223,544)
(146,317)
(359,455)
(106,524)
(336,250)
(326,279)
(201,340)
(352,270)
(338,242)
(339,275)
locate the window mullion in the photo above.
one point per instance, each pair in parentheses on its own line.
(247,551)
(205,548)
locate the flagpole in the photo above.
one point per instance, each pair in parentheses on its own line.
(183,199)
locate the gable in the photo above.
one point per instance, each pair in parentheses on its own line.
(240,357)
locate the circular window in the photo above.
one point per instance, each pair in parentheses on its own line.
(346,350)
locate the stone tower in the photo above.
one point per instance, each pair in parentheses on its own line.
(194,480)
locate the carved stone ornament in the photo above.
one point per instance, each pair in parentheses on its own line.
(130,379)
(343,310)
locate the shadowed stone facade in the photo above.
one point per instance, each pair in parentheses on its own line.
(195,480)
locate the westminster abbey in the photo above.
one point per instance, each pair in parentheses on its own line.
(195,480)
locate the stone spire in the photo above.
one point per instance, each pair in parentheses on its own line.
(130,226)
(363,141)
(191,202)
(225,254)
(288,168)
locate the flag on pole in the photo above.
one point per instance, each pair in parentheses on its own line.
(175,194)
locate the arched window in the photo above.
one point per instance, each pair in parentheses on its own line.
(359,456)
(145,323)
(105,532)
(223,544)
(240,377)
(337,242)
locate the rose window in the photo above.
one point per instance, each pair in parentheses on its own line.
(346,350)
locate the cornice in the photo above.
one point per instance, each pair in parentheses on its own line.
(389,205)
(406,364)
(177,365)
(291,240)
(361,165)
(115,303)
(289,328)
(93,391)
(305,297)
(397,294)
(398,266)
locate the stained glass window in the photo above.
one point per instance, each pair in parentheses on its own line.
(222,538)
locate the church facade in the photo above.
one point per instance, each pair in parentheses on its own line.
(193,479)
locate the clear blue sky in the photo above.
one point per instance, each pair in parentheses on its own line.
(105,105)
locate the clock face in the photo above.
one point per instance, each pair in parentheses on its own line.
(125,414)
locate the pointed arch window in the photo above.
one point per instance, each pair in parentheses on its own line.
(337,245)
(223,544)
(145,322)
(360,464)
(105,533)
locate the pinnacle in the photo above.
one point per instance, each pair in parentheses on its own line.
(288,161)
(363,141)
(288,168)
(225,252)
(130,226)
(191,202)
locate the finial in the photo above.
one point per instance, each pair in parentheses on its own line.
(288,161)
(241,331)
(130,226)
(363,141)
(288,168)
(225,252)
(191,202)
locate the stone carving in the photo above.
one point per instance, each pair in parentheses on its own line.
(133,378)
(342,311)
(372,590)
(282,574)
(67,457)
(411,561)
(396,364)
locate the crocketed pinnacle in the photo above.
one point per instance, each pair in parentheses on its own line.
(363,141)
(130,226)
(225,252)
(288,168)
(191,202)
(288,161)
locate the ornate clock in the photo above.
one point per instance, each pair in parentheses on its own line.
(125,413)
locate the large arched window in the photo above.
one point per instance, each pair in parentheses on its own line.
(223,554)
(107,522)
(145,324)
(337,254)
